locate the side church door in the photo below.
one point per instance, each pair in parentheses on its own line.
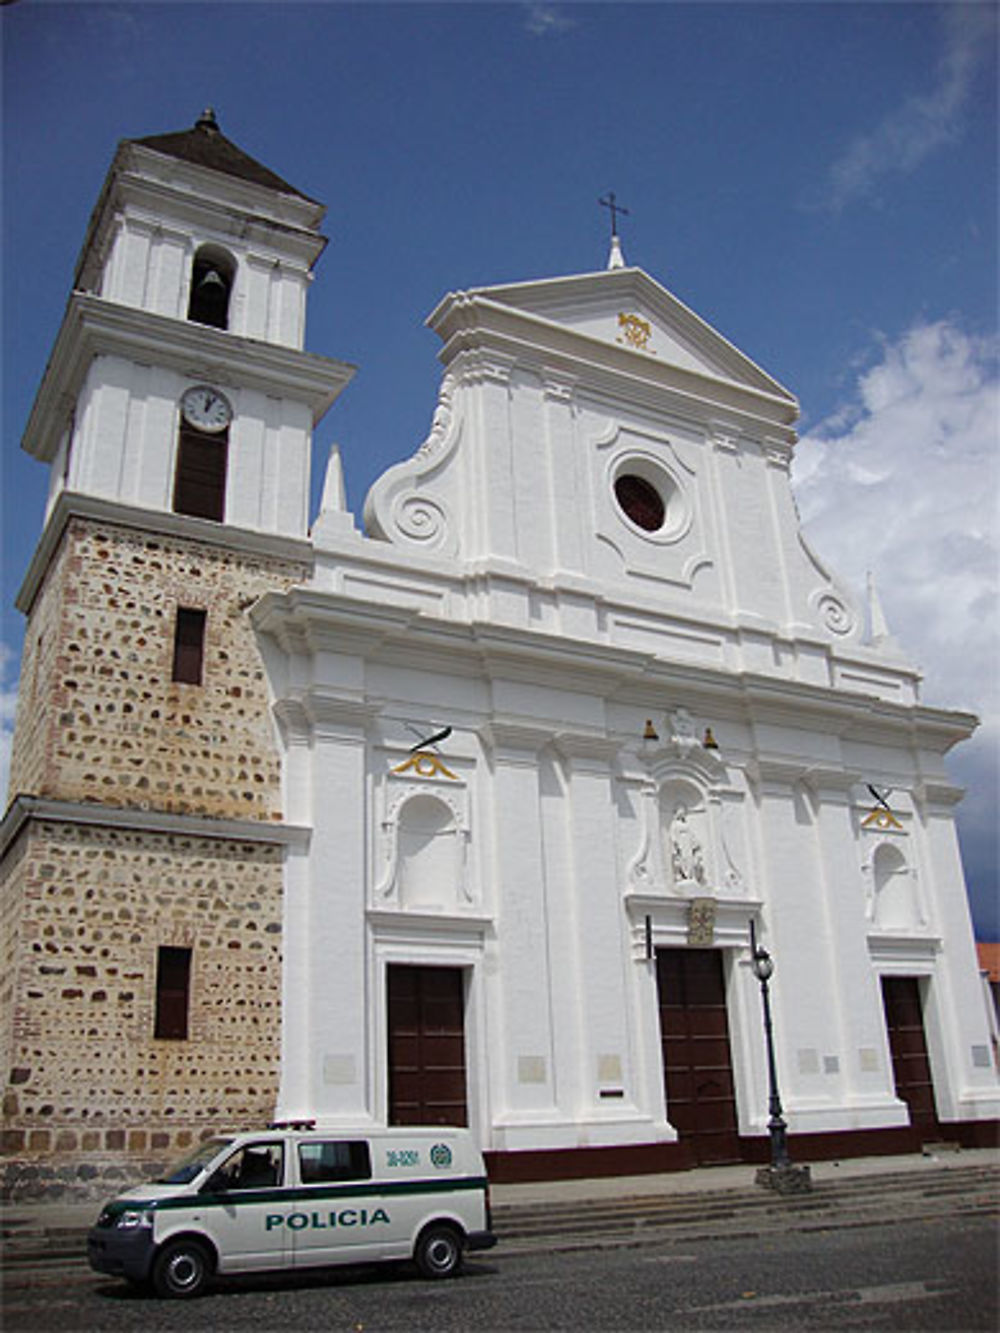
(911,1070)
(427,1083)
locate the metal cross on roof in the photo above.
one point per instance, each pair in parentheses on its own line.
(609,201)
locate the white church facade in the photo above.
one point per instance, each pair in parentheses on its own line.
(464,817)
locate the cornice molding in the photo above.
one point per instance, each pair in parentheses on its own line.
(778,776)
(550,298)
(336,716)
(938,795)
(307,620)
(24,809)
(588,752)
(93,327)
(137,162)
(152,522)
(515,742)
(399,927)
(467,322)
(888,947)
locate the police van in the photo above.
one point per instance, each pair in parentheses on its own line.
(295,1198)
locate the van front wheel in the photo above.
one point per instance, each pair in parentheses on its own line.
(439,1252)
(181,1269)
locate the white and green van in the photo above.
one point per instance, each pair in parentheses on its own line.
(294,1198)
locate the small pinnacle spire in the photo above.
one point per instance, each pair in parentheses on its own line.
(878,625)
(879,635)
(207,121)
(334,491)
(334,520)
(616,259)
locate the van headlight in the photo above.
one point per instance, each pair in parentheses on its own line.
(135,1217)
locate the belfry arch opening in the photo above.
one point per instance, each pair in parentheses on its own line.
(212,275)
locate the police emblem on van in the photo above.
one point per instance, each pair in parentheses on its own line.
(440,1155)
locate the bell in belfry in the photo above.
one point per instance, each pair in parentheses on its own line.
(210,299)
(211,287)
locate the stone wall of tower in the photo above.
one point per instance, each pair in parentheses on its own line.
(100,718)
(91,1097)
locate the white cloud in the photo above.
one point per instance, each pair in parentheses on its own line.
(903,480)
(543,20)
(920,125)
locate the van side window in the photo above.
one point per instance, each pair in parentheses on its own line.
(254,1166)
(325,1160)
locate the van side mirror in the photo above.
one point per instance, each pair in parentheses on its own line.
(217,1183)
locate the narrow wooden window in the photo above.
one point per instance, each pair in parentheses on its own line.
(173,992)
(200,479)
(189,645)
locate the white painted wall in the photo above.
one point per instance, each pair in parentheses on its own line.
(502,591)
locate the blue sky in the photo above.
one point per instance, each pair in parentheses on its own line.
(818,181)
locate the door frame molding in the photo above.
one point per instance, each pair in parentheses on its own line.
(429,940)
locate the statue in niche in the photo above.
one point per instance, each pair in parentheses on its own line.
(685,850)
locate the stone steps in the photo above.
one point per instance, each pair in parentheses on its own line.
(615,1220)
(852,1201)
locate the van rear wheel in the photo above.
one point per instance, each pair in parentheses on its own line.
(439,1252)
(181,1269)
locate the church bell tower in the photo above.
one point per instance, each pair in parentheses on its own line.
(144,836)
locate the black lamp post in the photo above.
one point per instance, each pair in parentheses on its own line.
(781,1175)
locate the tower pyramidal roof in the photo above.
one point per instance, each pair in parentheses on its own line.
(206,146)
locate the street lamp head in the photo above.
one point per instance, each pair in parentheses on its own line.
(763,964)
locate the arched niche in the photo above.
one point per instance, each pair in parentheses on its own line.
(895,905)
(429,854)
(685,834)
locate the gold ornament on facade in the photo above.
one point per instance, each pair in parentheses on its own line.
(880,815)
(880,818)
(637,332)
(425,765)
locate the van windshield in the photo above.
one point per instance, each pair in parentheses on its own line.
(195,1162)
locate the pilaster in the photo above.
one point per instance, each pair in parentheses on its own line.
(524,1079)
(854,1069)
(605,1084)
(809,950)
(327,960)
(493,494)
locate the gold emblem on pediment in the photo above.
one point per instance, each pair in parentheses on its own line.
(425,765)
(880,817)
(636,332)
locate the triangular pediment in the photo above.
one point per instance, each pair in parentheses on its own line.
(628,309)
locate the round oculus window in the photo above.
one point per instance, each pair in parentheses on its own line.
(640,501)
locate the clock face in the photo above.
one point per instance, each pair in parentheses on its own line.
(206,408)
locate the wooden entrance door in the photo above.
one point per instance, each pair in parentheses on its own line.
(426,1046)
(911,1069)
(697,1065)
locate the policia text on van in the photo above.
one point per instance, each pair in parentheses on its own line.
(297,1199)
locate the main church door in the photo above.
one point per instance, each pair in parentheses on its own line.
(697,1064)
(426,1046)
(911,1069)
